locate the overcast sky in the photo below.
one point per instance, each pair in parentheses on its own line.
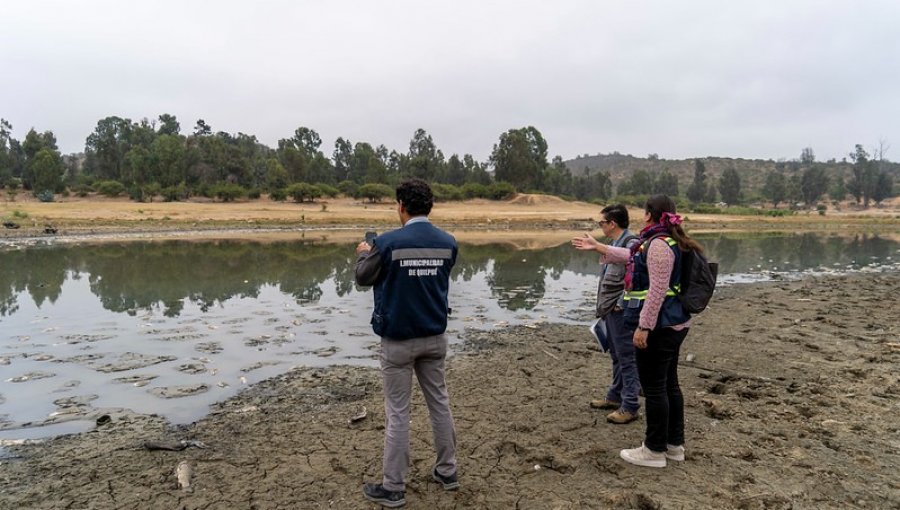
(752,79)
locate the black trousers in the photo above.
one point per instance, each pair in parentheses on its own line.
(664,406)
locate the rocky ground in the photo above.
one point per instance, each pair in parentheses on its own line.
(792,399)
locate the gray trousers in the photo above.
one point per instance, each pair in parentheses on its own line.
(399,359)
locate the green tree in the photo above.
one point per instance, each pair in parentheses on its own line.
(343,152)
(520,157)
(775,188)
(168,125)
(807,156)
(106,147)
(837,191)
(6,154)
(666,183)
(698,191)
(366,166)
(557,179)
(47,169)
(884,187)
(475,171)
(168,155)
(276,176)
(730,186)
(456,171)
(813,184)
(424,160)
(639,183)
(202,128)
(33,144)
(589,187)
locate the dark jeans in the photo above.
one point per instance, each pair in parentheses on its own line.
(664,404)
(625,385)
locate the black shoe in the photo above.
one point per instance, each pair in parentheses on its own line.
(450,483)
(376,493)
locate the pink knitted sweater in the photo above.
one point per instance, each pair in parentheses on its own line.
(660,260)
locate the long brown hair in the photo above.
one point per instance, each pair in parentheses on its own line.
(657,205)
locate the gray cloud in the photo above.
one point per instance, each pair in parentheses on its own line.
(682,79)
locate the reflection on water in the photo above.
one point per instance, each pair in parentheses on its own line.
(171,327)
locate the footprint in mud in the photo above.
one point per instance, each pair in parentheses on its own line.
(81,400)
(179,391)
(136,380)
(130,361)
(237,320)
(192,368)
(257,341)
(79,338)
(209,347)
(258,365)
(31,376)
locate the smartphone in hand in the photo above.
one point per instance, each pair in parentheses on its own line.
(370,237)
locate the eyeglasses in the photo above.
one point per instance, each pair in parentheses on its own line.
(604,222)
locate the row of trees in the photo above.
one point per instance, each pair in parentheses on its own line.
(149,158)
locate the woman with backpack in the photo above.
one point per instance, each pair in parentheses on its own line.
(661,324)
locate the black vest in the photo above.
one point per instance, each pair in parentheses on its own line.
(411,296)
(671,313)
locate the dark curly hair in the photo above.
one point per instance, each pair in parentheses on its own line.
(415,195)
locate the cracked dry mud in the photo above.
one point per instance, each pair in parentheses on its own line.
(792,400)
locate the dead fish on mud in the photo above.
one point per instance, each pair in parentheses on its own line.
(175,446)
(184,473)
(359,416)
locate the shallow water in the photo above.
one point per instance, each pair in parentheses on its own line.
(172,327)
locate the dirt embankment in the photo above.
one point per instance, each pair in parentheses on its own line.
(792,400)
(97,216)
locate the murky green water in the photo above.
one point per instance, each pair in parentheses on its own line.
(171,327)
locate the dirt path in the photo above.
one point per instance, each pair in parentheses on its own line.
(792,402)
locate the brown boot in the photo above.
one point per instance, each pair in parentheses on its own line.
(605,404)
(621,417)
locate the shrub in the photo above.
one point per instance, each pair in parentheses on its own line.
(446,192)
(228,192)
(45,196)
(136,193)
(500,190)
(254,193)
(328,190)
(279,195)
(374,192)
(174,193)
(303,191)
(110,188)
(348,188)
(82,190)
(821,209)
(474,190)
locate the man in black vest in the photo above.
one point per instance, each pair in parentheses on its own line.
(410,270)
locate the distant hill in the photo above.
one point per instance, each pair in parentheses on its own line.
(752,171)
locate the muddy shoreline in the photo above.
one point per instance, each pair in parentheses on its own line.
(791,402)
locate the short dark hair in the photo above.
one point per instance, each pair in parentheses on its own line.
(617,213)
(416,197)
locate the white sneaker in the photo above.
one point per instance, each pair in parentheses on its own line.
(641,456)
(675,452)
